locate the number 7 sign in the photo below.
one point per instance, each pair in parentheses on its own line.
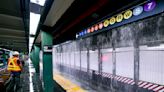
(149,6)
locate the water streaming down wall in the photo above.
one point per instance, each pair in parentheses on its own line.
(108,59)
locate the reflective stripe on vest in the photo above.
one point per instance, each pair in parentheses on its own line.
(13,66)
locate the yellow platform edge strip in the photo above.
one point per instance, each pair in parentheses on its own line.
(67,84)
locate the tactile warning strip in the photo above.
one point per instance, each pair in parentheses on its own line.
(67,84)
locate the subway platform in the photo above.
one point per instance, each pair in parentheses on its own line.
(84,45)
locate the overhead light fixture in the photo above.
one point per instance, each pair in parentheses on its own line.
(31,40)
(39,2)
(34,21)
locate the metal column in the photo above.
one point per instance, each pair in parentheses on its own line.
(88,60)
(136,59)
(80,52)
(47,62)
(100,60)
(36,51)
(114,36)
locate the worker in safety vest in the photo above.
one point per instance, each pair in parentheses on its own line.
(15,67)
(14,64)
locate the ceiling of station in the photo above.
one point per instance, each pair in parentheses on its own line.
(13,35)
(57,10)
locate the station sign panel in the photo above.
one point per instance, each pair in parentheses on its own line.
(119,18)
(112,20)
(127,16)
(137,11)
(149,6)
(47,49)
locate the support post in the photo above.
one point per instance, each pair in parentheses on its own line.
(47,62)
(75,55)
(80,52)
(100,65)
(88,58)
(114,36)
(136,60)
(36,51)
(100,60)
(32,56)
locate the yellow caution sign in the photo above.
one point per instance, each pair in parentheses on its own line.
(119,18)
(67,84)
(112,20)
(128,14)
(106,23)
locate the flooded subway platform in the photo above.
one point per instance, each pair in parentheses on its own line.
(119,59)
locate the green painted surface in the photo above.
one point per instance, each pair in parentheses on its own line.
(47,63)
(36,55)
(32,56)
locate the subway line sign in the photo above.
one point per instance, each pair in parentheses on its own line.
(119,18)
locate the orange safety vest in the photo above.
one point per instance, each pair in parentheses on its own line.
(13,65)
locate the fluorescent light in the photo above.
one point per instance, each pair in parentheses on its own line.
(40,2)
(34,21)
(31,41)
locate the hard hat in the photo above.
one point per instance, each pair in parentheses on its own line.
(15,53)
